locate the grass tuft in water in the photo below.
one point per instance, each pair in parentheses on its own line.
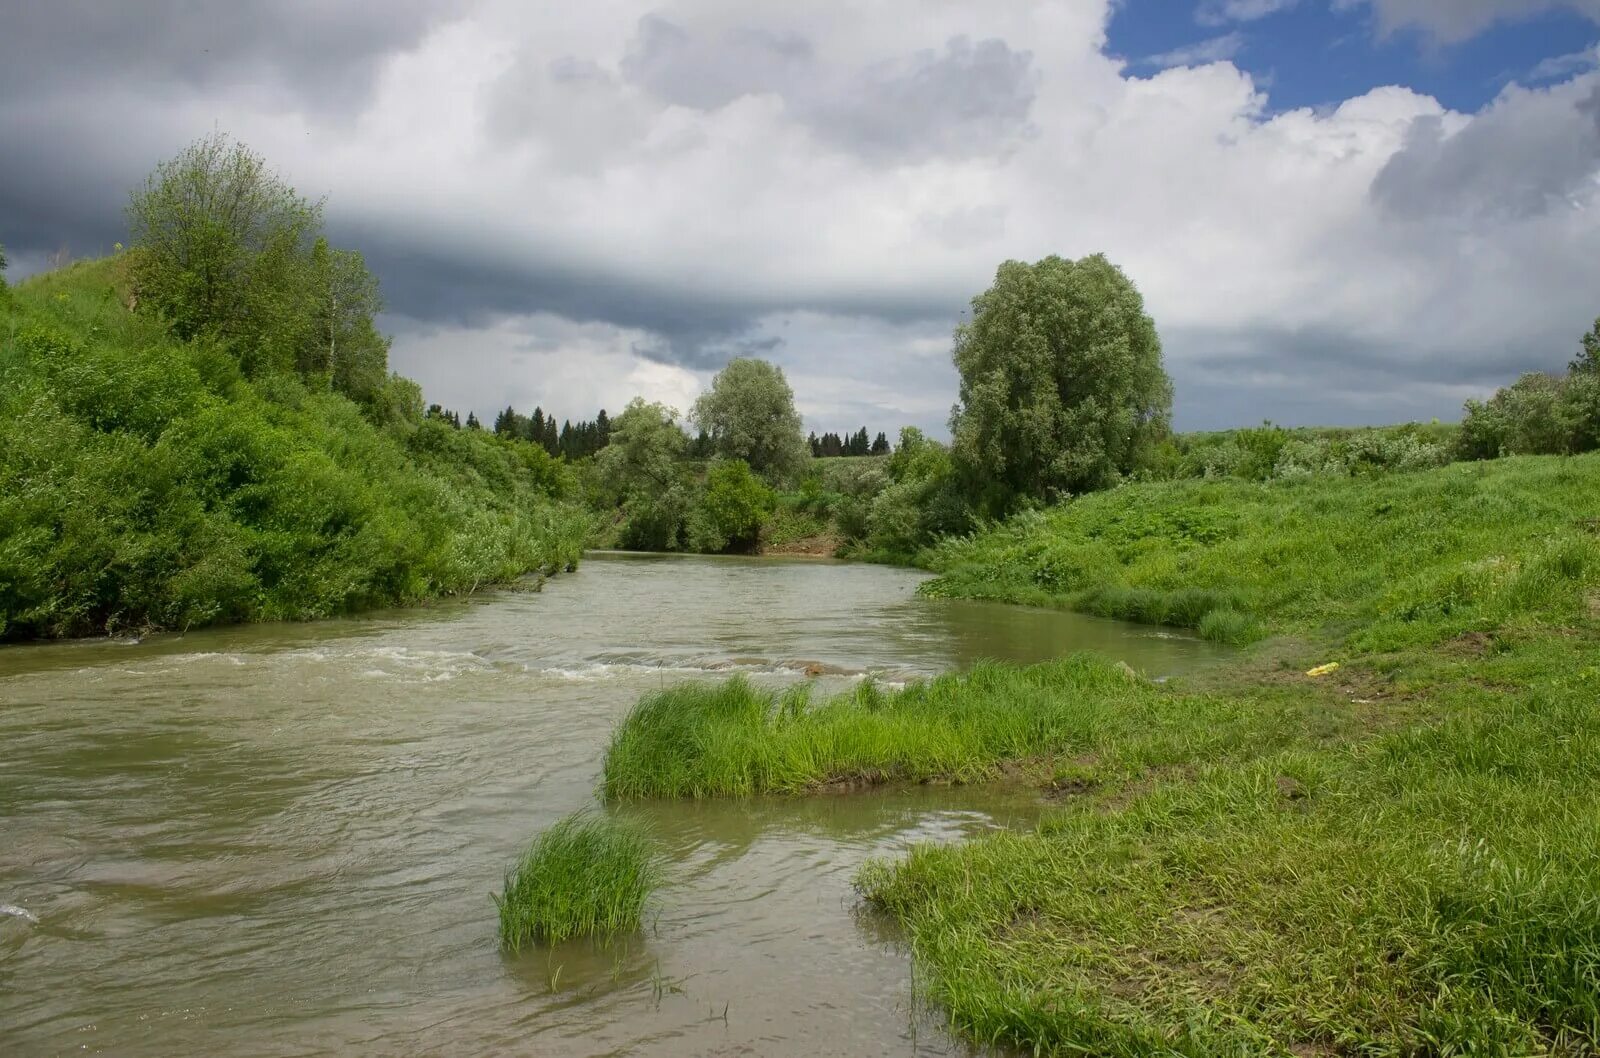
(587,876)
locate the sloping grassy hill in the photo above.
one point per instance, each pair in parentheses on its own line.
(1373,833)
(1388,560)
(145,483)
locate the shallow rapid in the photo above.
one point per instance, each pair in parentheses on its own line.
(281,840)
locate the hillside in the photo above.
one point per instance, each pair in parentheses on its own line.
(146,483)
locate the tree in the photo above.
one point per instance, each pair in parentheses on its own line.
(735,504)
(472,421)
(1062,385)
(221,247)
(1587,363)
(643,470)
(344,343)
(749,414)
(880,444)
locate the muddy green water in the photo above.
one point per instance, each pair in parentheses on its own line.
(280,840)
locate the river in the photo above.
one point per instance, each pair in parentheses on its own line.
(281,839)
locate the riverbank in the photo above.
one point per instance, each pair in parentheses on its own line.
(1373,834)
(290,832)
(151,483)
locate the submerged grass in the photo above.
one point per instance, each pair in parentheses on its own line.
(586,876)
(1398,856)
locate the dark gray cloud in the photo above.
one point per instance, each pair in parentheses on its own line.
(1528,153)
(969,98)
(690,326)
(1323,377)
(321,51)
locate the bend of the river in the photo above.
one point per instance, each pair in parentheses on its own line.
(281,839)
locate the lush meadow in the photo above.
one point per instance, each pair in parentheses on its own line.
(1396,855)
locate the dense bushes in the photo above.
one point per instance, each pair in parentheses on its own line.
(1539,414)
(145,482)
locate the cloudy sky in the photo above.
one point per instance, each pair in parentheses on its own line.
(1339,211)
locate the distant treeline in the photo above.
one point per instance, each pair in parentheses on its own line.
(575,440)
(856,444)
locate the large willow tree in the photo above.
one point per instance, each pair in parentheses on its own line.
(1062,385)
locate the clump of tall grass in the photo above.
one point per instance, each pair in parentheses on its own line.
(587,876)
(734,739)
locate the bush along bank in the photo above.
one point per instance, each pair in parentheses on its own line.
(146,482)
(1373,832)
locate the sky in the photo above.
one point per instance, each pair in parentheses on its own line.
(1338,211)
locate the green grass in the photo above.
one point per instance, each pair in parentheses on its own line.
(586,876)
(733,739)
(1433,889)
(1399,857)
(1386,561)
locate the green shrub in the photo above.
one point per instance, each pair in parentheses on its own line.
(735,503)
(145,483)
(586,876)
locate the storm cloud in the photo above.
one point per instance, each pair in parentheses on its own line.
(573,209)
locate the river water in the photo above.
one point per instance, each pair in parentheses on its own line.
(281,840)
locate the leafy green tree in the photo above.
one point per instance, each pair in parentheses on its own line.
(221,248)
(749,415)
(344,343)
(643,470)
(1587,363)
(1539,414)
(1062,384)
(736,504)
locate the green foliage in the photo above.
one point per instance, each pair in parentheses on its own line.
(145,483)
(1275,453)
(223,248)
(735,504)
(918,502)
(748,414)
(1587,362)
(1393,559)
(643,473)
(1539,414)
(1062,386)
(586,876)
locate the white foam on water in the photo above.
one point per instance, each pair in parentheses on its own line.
(18,912)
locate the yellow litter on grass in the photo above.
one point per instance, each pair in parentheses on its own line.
(1322,670)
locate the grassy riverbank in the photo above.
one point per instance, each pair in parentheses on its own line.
(1397,856)
(147,482)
